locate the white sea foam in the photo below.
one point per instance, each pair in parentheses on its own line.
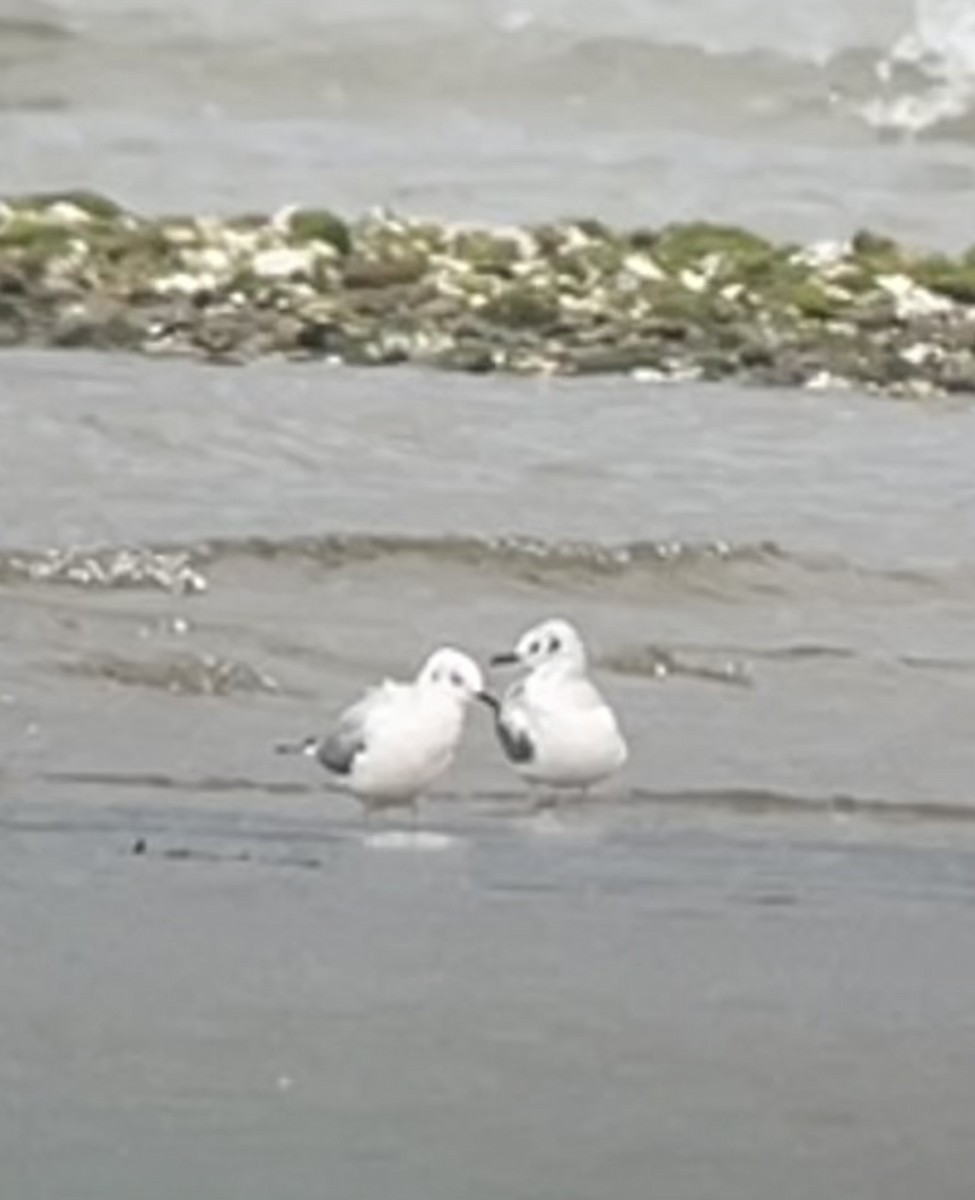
(928,78)
(410,839)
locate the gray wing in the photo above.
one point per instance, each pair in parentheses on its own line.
(512,726)
(338,750)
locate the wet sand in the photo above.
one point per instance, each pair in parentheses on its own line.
(618,1001)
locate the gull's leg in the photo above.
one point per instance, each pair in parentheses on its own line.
(368,817)
(534,796)
(542,800)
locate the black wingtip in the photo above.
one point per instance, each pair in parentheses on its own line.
(516,744)
(507,658)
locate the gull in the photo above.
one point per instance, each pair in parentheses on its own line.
(553,725)
(399,738)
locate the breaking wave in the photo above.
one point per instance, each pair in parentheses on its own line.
(719,568)
(758,60)
(618,63)
(185,569)
(178,674)
(926,81)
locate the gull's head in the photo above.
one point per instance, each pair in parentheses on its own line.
(553,641)
(454,673)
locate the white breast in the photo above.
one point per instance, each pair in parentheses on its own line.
(576,738)
(410,745)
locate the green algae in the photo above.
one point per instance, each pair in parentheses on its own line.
(688,300)
(92,204)
(320,225)
(687,244)
(521,308)
(809,298)
(954,279)
(39,237)
(486,252)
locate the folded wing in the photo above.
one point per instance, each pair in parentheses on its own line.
(340,748)
(513,727)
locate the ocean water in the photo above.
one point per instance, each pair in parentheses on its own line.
(803,120)
(745,968)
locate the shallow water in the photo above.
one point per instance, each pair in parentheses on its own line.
(744,968)
(751,1013)
(778,586)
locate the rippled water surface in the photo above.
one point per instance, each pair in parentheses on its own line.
(806,120)
(778,585)
(743,969)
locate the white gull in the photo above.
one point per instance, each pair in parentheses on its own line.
(399,738)
(553,724)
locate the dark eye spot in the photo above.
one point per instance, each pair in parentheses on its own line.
(534,647)
(456,679)
(555,645)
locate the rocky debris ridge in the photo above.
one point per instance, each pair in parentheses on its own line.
(687,301)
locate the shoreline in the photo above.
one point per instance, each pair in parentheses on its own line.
(691,301)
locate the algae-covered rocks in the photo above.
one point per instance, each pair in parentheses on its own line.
(686,301)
